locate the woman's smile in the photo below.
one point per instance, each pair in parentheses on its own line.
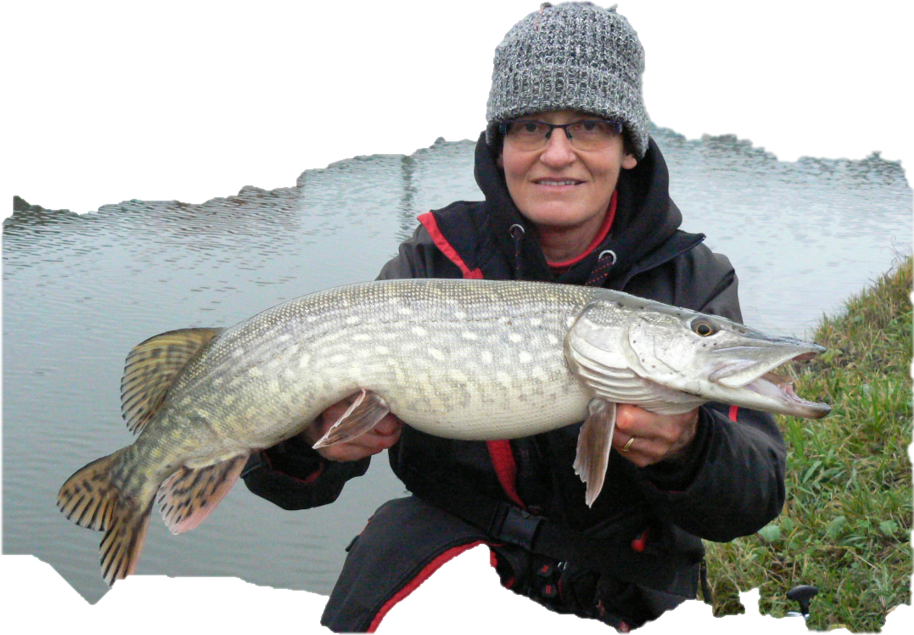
(557,182)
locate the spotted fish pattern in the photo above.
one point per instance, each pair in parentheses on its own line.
(464,359)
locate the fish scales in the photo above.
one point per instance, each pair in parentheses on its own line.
(511,376)
(482,361)
(460,359)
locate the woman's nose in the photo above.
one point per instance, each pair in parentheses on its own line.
(558,150)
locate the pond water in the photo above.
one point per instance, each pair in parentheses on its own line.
(80,290)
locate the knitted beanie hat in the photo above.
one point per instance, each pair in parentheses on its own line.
(572,56)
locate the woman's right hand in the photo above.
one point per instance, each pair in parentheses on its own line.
(385,433)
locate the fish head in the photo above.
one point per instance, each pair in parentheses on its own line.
(694,353)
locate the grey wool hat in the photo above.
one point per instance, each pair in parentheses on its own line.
(571,56)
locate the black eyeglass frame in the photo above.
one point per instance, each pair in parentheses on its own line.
(503,127)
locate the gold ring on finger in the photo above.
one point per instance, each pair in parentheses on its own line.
(628,445)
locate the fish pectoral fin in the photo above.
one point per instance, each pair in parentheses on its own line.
(151,368)
(188,496)
(363,414)
(594,444)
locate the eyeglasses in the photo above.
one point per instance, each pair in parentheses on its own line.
(589,134)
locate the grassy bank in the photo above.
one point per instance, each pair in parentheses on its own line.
(846,526)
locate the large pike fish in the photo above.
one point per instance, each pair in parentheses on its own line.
(454,358)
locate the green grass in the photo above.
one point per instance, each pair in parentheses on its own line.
(846,527)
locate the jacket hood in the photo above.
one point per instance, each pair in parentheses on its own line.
(645,218)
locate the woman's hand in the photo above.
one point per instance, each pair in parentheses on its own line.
(645,438)
(381,437)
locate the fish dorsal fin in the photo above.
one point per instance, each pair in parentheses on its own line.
(190,494)
(151,368)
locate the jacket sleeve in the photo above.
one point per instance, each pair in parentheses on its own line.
(418,257)
(732,481)
(732,484)
(291,474)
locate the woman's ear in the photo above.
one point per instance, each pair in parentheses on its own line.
(629,161)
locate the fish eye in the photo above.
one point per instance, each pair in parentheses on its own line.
(704,327)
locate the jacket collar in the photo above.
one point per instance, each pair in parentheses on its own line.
(646,219)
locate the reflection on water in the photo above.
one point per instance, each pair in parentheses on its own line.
(80,291)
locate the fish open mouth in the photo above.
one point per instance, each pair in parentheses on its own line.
(780,387)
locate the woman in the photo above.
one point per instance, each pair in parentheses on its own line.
(576,192)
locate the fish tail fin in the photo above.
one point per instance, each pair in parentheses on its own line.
(91,499)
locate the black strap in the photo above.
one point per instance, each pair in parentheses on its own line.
(506,523)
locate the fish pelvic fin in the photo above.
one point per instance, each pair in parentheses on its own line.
(152,366)
(363,414)
(91,499)
(188,496)
(594,445)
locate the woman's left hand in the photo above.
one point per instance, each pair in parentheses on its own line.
(653,437)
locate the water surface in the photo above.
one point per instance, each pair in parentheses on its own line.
(80,291)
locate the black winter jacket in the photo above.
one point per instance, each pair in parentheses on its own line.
(732,482)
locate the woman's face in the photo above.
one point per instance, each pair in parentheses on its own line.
(558,187)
